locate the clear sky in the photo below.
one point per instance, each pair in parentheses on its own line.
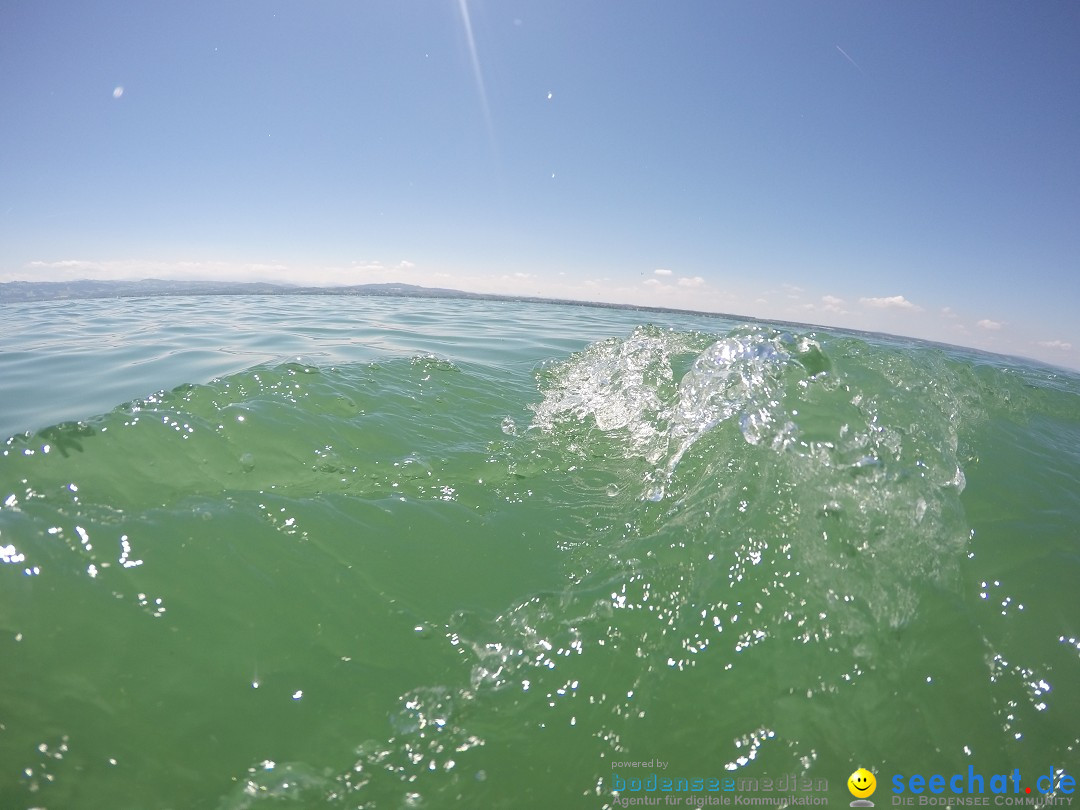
(907,167)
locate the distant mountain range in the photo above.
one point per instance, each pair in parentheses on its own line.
(86,288)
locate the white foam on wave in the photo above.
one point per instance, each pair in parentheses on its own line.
(627,388)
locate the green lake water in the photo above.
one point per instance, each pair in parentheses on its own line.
(305,552)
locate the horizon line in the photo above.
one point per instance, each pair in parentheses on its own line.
(407,290)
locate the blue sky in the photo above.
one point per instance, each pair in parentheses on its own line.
(901,167)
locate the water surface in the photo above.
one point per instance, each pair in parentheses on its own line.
(359,552)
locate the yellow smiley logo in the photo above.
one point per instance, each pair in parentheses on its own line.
(862,784)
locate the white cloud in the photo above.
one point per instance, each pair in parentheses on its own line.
(948,312)
(65,264)
(986,323)
(660,271)
(890,302)
(653,282)
(695,281)
(1055,344)
(833,304)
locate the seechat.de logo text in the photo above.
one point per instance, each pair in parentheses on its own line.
(1052,787)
